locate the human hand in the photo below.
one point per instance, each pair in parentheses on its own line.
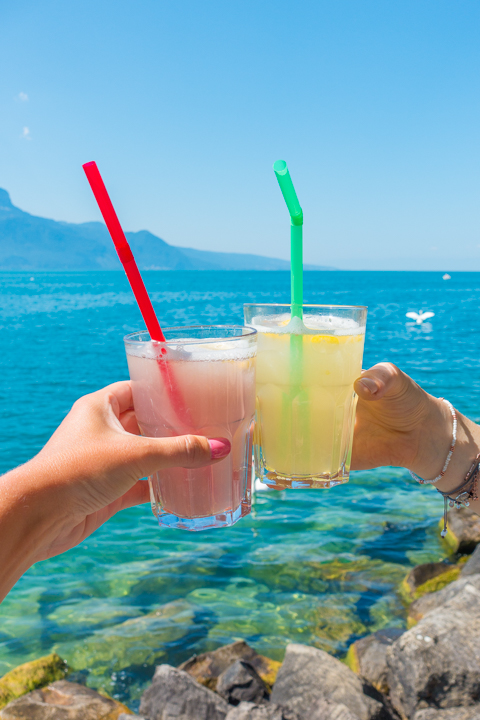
(91,466)
(398,423)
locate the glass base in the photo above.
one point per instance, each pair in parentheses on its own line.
(280,481)
(303,482)
(224,519)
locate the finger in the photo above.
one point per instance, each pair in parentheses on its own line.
(188,451)
(128,420)
(137,495)
(379,380)
(119,395)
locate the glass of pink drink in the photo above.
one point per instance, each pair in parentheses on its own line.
(206,386)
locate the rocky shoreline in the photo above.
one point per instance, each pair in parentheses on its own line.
(431,671)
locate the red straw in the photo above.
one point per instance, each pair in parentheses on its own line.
(135,279)
(123,249)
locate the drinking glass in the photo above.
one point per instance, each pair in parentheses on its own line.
(305,398)
(201,381)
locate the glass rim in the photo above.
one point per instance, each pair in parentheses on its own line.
(249,332)
(306,305)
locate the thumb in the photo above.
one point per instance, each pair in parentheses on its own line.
(379,380)
(187,451)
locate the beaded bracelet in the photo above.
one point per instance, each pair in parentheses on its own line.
(450,452)
(463,494)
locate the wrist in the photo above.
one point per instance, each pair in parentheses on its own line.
(434,445)
(466,449)
(434,439)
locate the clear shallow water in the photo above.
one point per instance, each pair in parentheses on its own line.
(318,567)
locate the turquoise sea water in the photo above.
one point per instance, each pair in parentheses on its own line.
(318,567)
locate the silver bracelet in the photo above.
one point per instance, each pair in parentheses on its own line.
(450,452)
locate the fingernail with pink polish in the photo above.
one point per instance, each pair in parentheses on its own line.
(369,385)
(219,447)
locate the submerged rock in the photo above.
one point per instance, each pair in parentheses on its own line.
(463,530)
(436,664)
(31,675)
(241,682)
(428,578)
(139,641)
(269,711)
(207,667)
(368,656)
(245,610)
(86,615)
(472,566)
(384,610)
(63,700)
(424,605)
(175,694)
(335,625)
(314,684)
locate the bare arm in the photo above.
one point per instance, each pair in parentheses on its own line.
(400,424)
(88,471)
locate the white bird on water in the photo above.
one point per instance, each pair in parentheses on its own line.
(420,317)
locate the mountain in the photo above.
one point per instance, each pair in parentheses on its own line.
(28,242)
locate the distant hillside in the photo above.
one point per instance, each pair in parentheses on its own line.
(28,242)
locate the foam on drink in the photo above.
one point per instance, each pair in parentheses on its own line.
(310,325)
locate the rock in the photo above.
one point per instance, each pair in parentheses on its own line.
(207,667)
(428,578)
(463,530)
(329,711)
(272,711)
(368,656)
(437,663)
(241,682)
(175,694)
(63,700)
(472,566)
(421,607)
(458,713)
(268,711)
(309,678)
(31,675)
(124,716)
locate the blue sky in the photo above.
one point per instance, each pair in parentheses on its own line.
(375,106)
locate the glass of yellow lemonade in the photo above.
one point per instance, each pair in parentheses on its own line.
(305,407)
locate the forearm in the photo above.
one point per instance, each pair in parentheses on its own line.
(24,523)
(437,434)
(88,471)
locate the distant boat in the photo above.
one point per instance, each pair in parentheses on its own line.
(420,317)
(446,277)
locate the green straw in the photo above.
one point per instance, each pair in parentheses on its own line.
(295,419)
(296,236)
